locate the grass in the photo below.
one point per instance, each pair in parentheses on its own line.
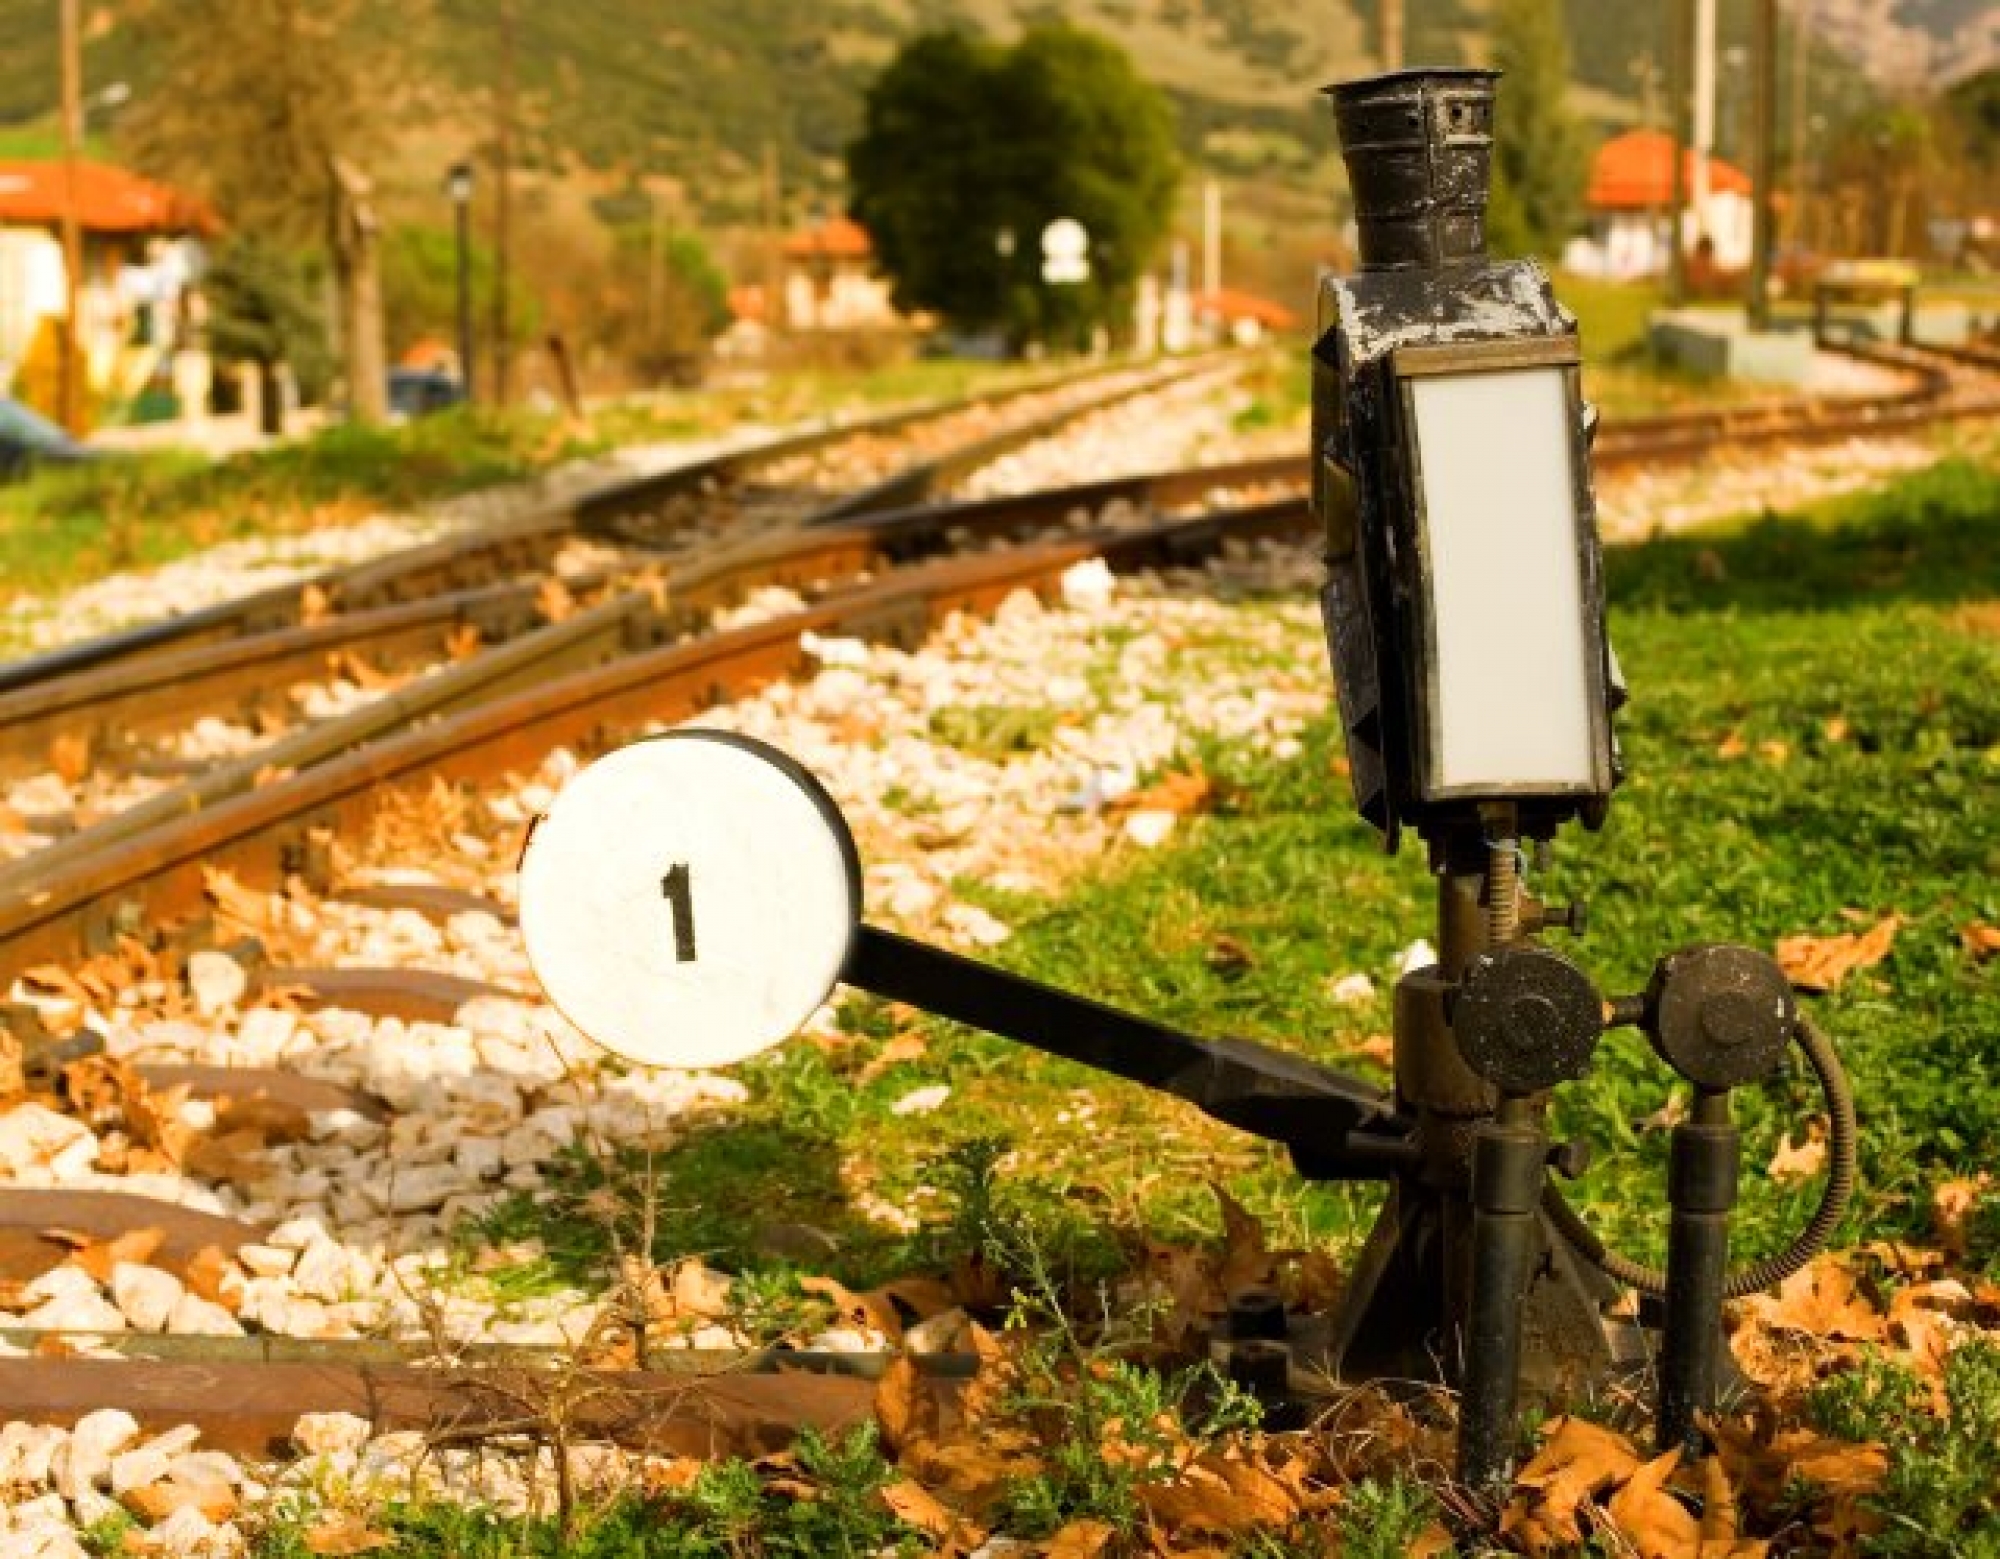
(65,527)
(1814,734)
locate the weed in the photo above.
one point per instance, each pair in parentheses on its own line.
(831,1509)
(1110,1426)
(1383,1520)
(994,731)
(1939,1497)
(106,1535)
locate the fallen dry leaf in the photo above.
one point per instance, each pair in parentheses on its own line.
(872,1310)
(905,1410)
(1801,1161)
(1080,1540)
(250,909)
(914,1505)
(1980,941)
(69,756)
(137,1246)
(211,1275)
(1650,1518)
(1821,963)
(1578,1461)
(553,601)
(347,1533)
(1952,1204)
(1380,1048)
(315,606)
(1181,792)
(1823,1301)
(1247,1261)
(910,1045)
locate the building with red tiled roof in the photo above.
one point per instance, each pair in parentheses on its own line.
(1243,316)
(141,256)
(1630,199)
(830,281)
(108,201)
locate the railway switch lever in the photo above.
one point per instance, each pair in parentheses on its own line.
(692,899)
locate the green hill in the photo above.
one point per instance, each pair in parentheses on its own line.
(614,93)
(696,88)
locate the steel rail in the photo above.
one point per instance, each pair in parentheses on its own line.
(261,835)
(516,545)
(712,576)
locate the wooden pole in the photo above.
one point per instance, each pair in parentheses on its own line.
(1765,129)
(774,244)
(503,215)
(70,368)
(1795,226)
(1392,34)
(1680,26)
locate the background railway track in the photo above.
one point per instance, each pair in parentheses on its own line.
(200,873)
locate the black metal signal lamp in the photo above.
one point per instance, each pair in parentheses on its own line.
(1464,597)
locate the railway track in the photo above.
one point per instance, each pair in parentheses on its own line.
(654,629)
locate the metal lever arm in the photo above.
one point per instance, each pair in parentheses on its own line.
(1337,1127)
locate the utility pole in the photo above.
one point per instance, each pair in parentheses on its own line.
(1392,34)
(1211,245)
(70,369)
(1764,66)
(1795,228)
(503,157)
(774,242)
(1680,22)
(1704,109)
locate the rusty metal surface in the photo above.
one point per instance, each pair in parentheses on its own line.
(415,995)
(247,1084)
(28,1214)
(157,876)
(474,558)
(119,704)
(427,899)
(250,1408)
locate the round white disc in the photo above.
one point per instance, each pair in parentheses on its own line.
(689,900)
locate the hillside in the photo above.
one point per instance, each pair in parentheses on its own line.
(697,88)
(684,98)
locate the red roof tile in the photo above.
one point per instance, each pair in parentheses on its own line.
(840,238)
(1229,303)
(1636,172)
(109,200)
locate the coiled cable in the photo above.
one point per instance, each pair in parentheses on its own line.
(1843,1155)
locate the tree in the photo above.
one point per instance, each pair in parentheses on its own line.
(260,312)
(271,108)
(967,154)
(1539,158)
(666,302)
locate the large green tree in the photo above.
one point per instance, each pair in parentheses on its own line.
(969,152)
(1539,157)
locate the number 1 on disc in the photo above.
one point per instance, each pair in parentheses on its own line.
(689,900)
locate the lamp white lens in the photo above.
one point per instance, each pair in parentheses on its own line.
(1510,705)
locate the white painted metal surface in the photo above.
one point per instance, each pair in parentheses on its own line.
(688,901)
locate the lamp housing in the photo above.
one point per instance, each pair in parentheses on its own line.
(1464,598)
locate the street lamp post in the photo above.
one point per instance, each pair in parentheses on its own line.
(458,184)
